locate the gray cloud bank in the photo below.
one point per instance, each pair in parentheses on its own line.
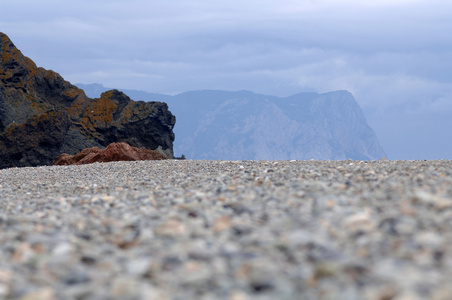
(394,56)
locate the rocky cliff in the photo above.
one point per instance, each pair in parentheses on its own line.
(42,115)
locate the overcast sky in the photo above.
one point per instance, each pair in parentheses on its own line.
(395,56)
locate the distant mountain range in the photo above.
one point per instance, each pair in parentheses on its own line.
(246,126)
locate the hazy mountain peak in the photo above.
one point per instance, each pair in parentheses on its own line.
(234,125)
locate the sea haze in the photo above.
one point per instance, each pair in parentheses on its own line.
(242,125)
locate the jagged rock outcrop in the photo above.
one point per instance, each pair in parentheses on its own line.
(42,115)
(113,152)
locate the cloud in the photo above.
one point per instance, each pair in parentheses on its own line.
(394,56)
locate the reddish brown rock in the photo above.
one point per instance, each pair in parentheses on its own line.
(114,152)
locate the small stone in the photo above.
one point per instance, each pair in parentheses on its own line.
(200,251)
(172,228)
(150,292)
(5,290)
(63,249)
(326,269)
(238,295)
(139,266)
(361,221)
(124,288)
(5,287)
(76,276)
(222,223)
(23,253)
(108,199)
(429,239)
(408,295)
(42,294)
(380,293)
(438,202)
(196,273)
(442,293)
(5,275)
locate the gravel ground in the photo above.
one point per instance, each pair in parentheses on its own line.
(232,230)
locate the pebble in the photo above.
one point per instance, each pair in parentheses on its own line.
(238,230)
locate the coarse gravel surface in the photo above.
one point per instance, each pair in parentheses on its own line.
(235,230)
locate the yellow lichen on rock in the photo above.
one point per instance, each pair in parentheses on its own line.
(31,66)
(7,54)
(9,129)
(74,93)
(99,114)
